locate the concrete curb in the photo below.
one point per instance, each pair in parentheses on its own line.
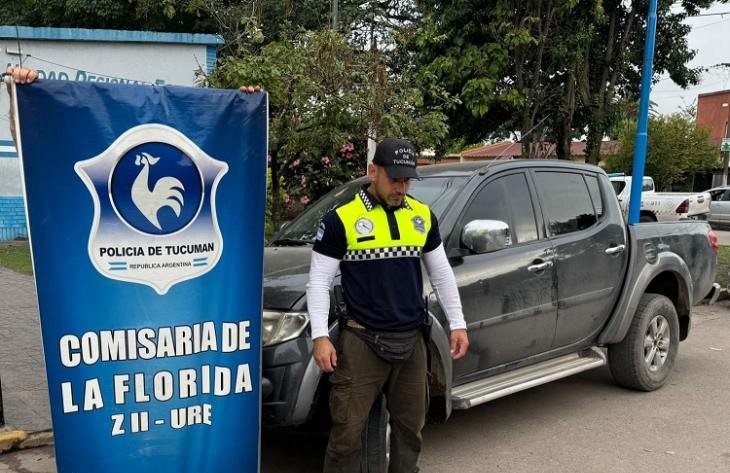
(11,440)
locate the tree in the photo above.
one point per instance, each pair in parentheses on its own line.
(152,15)
(322,105)
(513,64)
(676,150)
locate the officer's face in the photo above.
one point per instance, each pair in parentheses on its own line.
(388,190)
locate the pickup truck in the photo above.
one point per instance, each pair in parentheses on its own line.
(552,282)
(661,206)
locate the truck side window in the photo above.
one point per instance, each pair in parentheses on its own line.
(595,192)
(567,201)
(506,199)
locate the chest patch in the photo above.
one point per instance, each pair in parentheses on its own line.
(364,226)
(419,224)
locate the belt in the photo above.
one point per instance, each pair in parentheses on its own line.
(353,324)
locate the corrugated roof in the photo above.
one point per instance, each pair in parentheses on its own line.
(508,149)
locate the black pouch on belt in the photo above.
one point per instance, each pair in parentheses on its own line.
(390,346)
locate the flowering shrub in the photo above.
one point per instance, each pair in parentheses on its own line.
(311,174)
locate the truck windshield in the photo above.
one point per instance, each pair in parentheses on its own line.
(436,192)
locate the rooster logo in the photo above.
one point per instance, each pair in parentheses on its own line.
(167,192)
(155,220)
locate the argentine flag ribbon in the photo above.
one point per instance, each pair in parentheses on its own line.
(146,216)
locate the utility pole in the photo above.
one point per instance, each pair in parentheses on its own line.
(335,13)
(643,123)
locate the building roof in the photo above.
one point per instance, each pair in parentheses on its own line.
(83,34)
(510,150)
(717,92)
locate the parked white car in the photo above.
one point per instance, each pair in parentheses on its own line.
(720,206)
(661,206)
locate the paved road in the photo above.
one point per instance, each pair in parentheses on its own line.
(580,424)
(723,236)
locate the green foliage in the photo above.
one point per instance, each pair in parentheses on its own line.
(676,150)
(564,64)
(154,15)
(325,98)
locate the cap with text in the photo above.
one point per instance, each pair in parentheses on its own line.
(398,157)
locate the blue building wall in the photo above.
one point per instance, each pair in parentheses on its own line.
(12,218)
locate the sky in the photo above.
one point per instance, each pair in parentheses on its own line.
(709,36)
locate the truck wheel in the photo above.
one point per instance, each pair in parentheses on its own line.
(645,357)
(376,439)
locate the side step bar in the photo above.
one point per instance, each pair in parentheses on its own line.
(485,390)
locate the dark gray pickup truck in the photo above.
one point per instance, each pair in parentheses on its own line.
(552,283)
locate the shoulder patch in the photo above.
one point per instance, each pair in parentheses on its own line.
(320,232)
(419,224)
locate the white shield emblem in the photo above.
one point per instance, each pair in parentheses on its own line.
(154,208)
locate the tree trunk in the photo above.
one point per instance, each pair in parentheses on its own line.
(595,136)
(565,127)
(275,191)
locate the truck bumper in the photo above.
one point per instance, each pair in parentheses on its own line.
(288,383)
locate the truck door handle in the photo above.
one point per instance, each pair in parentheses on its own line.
(536,268)
(615,249)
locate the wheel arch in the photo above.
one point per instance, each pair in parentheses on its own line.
(668,276)
(440,378)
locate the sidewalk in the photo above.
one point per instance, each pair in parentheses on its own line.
(22,368)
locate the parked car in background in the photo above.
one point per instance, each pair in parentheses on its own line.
(720,205)
(661,206)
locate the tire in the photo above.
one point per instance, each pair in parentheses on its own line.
(376,439)
(646,218)
(645,357)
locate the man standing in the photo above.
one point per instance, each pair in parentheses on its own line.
(378,241)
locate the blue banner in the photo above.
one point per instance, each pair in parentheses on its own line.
(146,211)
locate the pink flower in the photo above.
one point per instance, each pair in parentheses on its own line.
(304,200)
(296,163)
(326,161)
(287,199)
(361,172)
(348,155)
(304,181)
(268,158)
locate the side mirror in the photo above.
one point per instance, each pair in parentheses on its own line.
(485,236)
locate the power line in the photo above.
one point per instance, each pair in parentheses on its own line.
(722,13)
(709,24)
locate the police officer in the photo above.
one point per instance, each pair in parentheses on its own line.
(378,241)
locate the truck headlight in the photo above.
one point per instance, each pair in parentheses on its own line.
(279,327)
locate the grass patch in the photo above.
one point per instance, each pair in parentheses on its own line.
(16,256)
(723,267)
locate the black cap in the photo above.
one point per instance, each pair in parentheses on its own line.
(398,157)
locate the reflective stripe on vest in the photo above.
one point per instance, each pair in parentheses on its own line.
(368,231)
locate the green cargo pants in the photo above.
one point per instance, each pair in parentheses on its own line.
(357,381)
